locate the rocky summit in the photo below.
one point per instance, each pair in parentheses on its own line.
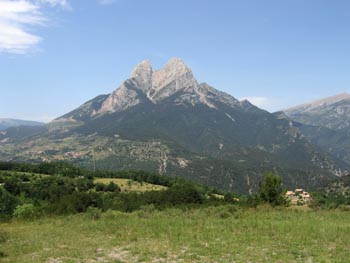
(154,86)
(166,121)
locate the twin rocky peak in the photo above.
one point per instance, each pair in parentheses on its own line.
(175,80)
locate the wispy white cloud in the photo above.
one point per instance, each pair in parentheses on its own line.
(106,2)
(18,18)
(62,3)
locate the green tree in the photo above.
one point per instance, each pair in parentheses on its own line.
(99,187)
(271,190)
(8,203)
(183,194)
(112,187)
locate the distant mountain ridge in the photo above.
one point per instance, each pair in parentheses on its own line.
(332,112)
(166,121)
(326,123)
(7,123)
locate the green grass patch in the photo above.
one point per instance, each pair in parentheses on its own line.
(128,185)
(212,234)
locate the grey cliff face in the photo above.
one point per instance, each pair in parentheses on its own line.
(173,77)
(142,75)
(147,84)
(124,97)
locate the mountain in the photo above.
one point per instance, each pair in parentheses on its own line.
(6,123)
(326,123)
(332,112)
(165,120)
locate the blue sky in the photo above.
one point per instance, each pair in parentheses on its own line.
(57,54)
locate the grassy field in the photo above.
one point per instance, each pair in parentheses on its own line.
(127,185)
(221,234)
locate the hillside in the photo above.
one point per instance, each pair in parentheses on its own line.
(326,123)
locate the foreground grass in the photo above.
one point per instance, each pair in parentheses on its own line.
(222,234)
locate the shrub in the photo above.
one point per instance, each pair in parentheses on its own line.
(183,194)
(99,187)
(253,201)
(93,213)
(228,197)
(228,211)
(145,211)
(224,214)
(25,211)
(112,187)
(343,207)
(110,214)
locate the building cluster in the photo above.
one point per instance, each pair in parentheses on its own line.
(298,197)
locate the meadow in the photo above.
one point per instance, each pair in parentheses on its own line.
(207,234)
(128,185)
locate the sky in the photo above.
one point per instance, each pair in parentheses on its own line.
(57,54)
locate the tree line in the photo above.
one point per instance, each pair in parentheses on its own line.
(61,188)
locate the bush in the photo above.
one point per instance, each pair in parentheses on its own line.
(343,207)
(253,201)
(183,194)
(229,211)
(93,213)
(146,211)
(110,214)
(112,187)
(25,211)
(99,187)
(228,197)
